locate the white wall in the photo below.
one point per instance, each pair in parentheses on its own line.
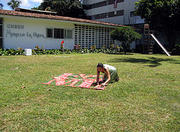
(116,20)
(32,32)
(128,6)
(104,9)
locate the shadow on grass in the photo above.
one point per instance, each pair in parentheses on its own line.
(120,53)
(176,62)
(151,61)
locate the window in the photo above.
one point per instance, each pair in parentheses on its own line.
(120,13)
(108,14)
(132,13)
(101,4)
(58,33)
(1,20)
(100,16)
(111,14)
(68,34)
(49,33)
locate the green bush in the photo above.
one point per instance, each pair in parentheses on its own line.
(37,51)
(8,52)
(176,50)
(126,35)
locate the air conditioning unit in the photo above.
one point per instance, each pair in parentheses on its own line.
(28,52)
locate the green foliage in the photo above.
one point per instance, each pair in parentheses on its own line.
(9,52)
(176,50)
(14,3)
(38,51)
(126,35)
(71,8)
(162,15)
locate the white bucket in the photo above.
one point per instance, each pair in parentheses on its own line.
(28,52)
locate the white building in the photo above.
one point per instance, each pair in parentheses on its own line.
(113,11)
(19,29)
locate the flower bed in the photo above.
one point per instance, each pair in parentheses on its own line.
(10,52)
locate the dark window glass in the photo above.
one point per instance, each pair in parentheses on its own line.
(103,3)
(132,14)
(58,33)
(1,31)
(1,43)
(61,33)
(120,13)
(1,21)
(110,2)
(100,16)
(49,33)
(111,14)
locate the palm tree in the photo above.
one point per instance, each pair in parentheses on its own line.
(14,3)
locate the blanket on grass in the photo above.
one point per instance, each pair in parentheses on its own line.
(77,80)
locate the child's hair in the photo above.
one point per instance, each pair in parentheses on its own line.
(100,65)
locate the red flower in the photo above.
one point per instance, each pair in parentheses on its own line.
(62,42)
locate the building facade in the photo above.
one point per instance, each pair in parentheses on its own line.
(113,11)
(27,30)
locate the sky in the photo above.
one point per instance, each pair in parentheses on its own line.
(24,4)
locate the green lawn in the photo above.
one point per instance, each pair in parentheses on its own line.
(146,98)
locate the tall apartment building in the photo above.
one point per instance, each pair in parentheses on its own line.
(113,11)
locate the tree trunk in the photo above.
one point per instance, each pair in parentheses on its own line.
(124,48)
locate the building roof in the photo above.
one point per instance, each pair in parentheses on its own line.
(45,16)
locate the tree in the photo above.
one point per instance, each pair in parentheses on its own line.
(1,6)
(162,15)
(71,8)
(14,3)
(35,8)
(126,35)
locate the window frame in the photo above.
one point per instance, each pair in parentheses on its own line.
(66,34)
(59,33)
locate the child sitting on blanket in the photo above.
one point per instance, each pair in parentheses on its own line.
(110,74)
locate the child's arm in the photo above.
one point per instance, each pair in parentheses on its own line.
(109,77)
(97,79)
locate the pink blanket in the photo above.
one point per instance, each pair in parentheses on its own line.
(77,80)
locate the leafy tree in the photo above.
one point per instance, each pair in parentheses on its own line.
(162,15)
(126,35)
(14,3)
(71,8)
(35,8)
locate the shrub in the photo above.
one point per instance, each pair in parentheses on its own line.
(176,50)
(126,35)
(38,51)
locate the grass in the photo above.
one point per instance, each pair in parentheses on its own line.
(146,98)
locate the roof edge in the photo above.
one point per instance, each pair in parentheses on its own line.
(45,16)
